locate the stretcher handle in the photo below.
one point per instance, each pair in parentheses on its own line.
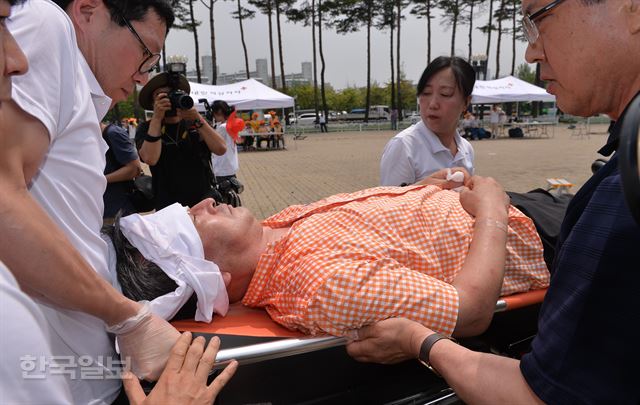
(520,300)
(293,346)
(276,349)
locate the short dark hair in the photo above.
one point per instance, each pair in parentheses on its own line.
(139,278)
(133,10)
(462,71)
(223,107)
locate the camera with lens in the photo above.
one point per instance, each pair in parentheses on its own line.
(178,97)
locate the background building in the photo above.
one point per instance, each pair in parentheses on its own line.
(261,74)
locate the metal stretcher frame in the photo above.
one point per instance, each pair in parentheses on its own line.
(298,345)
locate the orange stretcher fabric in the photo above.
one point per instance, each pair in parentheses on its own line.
(244,321)
(240,321)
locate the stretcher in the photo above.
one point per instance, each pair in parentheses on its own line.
(279,366)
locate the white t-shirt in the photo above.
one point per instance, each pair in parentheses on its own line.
(61,91)
(494,117)
(227,164)
(26,373)
(417,152)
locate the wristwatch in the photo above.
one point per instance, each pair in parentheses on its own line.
(425,349)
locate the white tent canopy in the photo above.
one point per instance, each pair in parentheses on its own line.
(245,95)
(508,89)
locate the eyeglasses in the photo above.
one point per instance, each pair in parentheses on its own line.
(528,21)
(151,61)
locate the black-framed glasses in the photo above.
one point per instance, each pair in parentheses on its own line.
(151,61)
(528,21)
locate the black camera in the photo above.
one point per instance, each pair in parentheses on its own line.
(180,100)
(178,97)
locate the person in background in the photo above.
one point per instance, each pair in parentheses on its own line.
(323,123)
(225,166)
(444,93)
(586,348)
(495,119)
(177,148)
(123,165)
(394,119)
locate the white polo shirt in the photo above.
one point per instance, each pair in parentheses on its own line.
(62,92)
(227,164)
(417,152)
(26,352)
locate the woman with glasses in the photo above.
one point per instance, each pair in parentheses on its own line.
(433,143)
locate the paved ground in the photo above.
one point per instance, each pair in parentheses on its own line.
(324,164)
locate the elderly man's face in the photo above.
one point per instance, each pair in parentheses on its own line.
(577,49)
(226,232)
(113,51)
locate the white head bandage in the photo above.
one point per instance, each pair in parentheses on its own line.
(169,239)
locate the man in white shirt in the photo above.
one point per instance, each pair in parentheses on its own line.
(84,57)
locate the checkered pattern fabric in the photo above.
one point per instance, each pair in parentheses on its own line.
(354,259)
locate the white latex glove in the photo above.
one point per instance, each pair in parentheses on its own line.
(146,340)
(456,177)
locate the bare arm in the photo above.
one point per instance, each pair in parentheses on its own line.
(31,243)
(150,151)
(479,281)
(478,378)
(127,172)
(215,142)
(481,378)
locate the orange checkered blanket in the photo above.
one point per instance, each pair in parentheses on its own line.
(354,259)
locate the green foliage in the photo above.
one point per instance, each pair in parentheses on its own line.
(353,97)
(524,72)
(125,109)
(183,16)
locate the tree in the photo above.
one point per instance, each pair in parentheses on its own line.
(487,29)
(388,19)
(307,14)
(400,4)
(516,31)
(424,9)
(212,32)
(349,16)
(323,90)
(266,7)
(500,15)
(241,14)
(185,20)
(281,6)
(524,72)
(452,10)
(194,29)
(471,4)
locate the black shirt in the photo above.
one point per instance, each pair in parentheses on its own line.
(183,173)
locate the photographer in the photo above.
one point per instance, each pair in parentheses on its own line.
(177,142)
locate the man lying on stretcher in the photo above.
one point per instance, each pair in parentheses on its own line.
(340,263)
